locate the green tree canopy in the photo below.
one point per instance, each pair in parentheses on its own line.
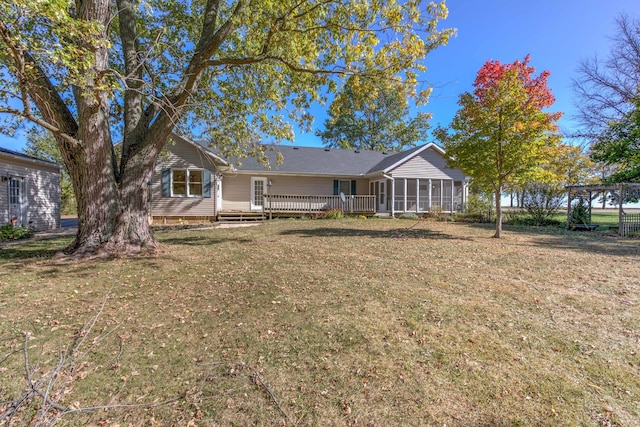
(97,71)
(372,118)
(620,145)
(501,132)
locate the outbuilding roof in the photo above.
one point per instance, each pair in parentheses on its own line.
(27,157)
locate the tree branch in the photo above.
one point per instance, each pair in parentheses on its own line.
(36,120)
(164,119)
(133,69)
(57,117)
(257,379)
(266,57)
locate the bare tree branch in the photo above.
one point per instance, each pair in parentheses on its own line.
(51,384)
(257,379)
(605,89)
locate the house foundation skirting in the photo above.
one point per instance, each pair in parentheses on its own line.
(180,219)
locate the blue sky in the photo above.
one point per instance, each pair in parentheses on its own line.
(557,34)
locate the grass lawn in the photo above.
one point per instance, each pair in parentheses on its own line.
(342,322)
(604,219)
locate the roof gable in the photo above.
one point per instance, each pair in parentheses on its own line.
(202,147)
(405,156)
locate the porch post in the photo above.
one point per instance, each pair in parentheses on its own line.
(453,189)
(417,194)
(463,205)
(429,202)
(405,195)
(466,193)
(441,192)
(372,192)
(393,195)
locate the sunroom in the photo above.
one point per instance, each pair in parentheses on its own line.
(420,195)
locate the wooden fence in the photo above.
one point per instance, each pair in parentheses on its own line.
(629,224)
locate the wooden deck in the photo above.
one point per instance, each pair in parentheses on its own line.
(278,204)
(240,216)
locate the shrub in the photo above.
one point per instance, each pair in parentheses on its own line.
(542,202)
(579,214)
(408,215)
(334,213)
(435,212)
(480,204)
(525,219)
(469,217)
(9,232)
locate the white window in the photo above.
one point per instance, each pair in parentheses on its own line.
(186,182)
(15,197)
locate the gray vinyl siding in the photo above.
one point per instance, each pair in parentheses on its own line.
(236,188)
(182,155)
(41,192)
(428,164)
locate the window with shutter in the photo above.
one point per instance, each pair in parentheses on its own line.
(186,183)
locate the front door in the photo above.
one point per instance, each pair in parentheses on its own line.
(382,196)
(17,208)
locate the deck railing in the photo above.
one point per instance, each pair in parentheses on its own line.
(279,203)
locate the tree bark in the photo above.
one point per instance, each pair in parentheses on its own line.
(112,201)
(112,216)
(498,233)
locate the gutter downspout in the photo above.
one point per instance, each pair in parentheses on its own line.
(393,193)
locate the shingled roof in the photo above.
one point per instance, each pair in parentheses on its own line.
(324,161)
(26,157)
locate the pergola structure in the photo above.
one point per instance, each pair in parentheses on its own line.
(577,195)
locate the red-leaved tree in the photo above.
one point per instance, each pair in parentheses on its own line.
(501,133)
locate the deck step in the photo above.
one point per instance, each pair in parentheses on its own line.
(240,216)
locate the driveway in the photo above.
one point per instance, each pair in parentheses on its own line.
(69,223)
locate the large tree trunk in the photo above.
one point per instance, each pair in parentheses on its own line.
(498,233)
(112,200)
(112,197)
(112,208)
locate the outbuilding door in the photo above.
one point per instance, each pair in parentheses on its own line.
(17,201)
